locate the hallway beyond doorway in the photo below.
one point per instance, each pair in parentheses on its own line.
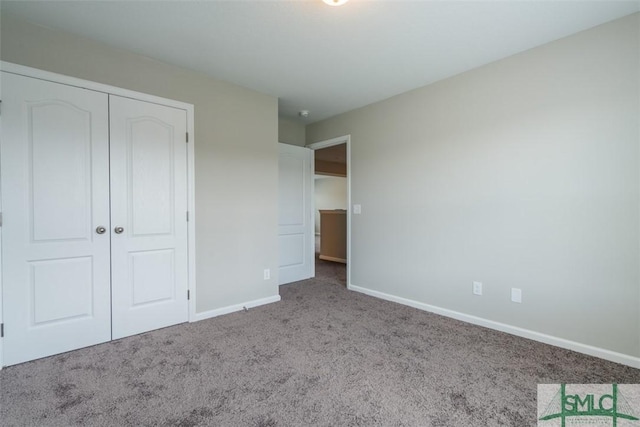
(329,271)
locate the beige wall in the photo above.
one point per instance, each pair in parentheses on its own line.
(291,132)
(522,173)
(236,233)
(330,193)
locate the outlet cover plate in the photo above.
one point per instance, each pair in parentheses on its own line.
(477,288)
(516,295)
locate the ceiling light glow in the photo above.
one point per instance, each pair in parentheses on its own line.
(335,2)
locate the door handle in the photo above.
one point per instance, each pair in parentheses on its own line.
(101,230)
(118,230)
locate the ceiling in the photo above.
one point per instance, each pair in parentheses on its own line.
(324,59)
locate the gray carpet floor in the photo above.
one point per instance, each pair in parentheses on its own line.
(322,356)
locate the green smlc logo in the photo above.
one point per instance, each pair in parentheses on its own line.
(564,406)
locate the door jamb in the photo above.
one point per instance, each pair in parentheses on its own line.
(345,139)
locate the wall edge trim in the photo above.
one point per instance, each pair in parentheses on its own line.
(233,308)
(589,350)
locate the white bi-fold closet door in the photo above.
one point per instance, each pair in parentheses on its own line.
(94,202)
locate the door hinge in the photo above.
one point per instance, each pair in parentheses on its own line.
(187,216)
(1,330)
(188,294)
(187,137)
(0,219)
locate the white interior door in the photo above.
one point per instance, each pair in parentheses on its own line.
(295,214)
(55,195)
(149,216)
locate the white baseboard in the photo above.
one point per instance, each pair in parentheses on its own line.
(233,308)
(602,353)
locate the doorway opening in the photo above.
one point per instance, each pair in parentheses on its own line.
(332,200)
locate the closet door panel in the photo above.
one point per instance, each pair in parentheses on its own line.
(55,193)
(149,204)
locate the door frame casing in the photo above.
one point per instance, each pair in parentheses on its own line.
(112,90)
(345,139)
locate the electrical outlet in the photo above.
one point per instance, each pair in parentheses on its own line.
(477,288)
(516,295)
(267,274)
(357,209)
